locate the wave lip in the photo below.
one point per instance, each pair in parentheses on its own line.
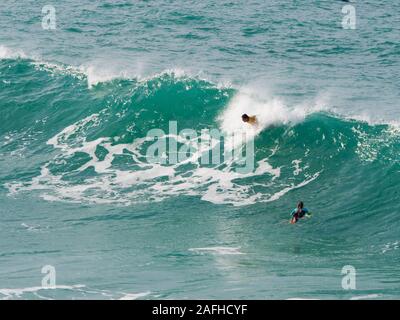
(268,109)
(95,72)
(101,157)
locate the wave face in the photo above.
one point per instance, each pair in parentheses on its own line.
(71,144)
(90,145)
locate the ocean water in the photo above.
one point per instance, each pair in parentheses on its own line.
(79,197)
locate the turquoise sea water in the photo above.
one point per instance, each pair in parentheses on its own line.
(77,193)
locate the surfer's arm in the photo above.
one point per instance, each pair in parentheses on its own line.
(253,120)
(307,213)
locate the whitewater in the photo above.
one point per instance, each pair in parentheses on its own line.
(78,192)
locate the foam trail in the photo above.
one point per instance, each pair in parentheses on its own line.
(134,296)
(96,75)
(368,296)
(7,53)
(17,293)
(213,184)
(282,192)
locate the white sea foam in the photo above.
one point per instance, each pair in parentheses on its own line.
(33,228)
(282,192)
(219,184)
(97,72)
(369,146)
(74,291)
(19,292)
(134,296)
(8,53)
(373,120)
(54,68)
(368,296)
(390,246)
(269,110)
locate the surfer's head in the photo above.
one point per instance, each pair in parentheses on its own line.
(245,118)
(300,205)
